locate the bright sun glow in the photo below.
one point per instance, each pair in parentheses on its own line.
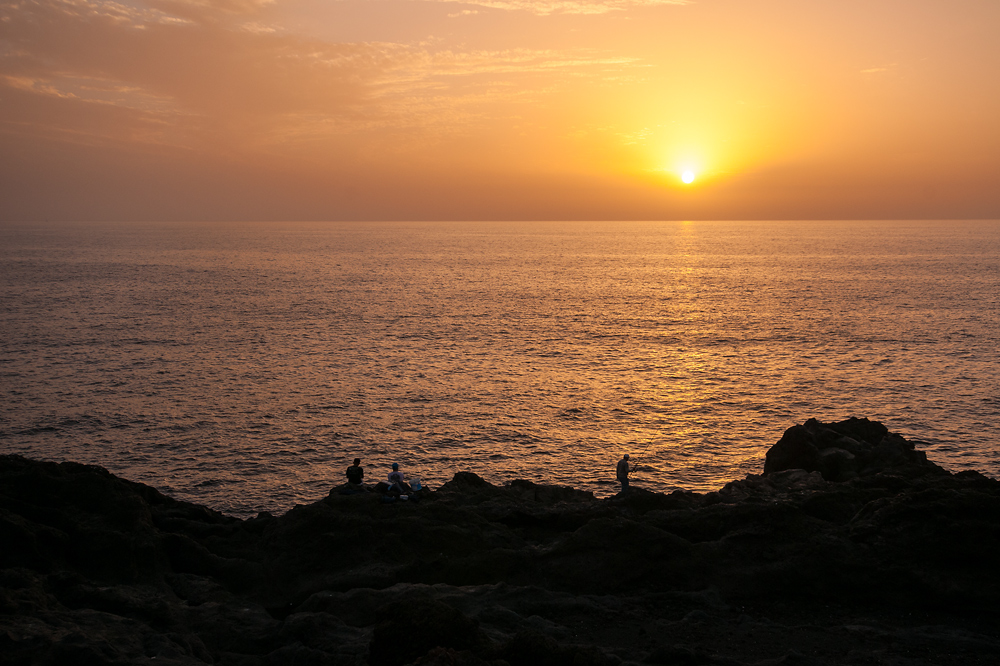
(688,176)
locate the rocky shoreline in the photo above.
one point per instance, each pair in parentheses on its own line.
(849,548)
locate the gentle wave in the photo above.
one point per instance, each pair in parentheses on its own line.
(245,365)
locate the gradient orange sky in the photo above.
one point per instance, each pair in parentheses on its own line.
(499,109)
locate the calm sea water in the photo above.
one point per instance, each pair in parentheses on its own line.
(244,365)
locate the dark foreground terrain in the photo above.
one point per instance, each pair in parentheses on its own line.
(850,548)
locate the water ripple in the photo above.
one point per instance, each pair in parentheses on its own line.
(245,365)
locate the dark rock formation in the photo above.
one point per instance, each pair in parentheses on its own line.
(407,630)
(850,548)
(845,450)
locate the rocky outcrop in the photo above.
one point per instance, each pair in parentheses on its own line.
(850,548)
(847,450)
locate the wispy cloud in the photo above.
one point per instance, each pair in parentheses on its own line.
(884,69)
(546,7)
(233,6)
(86,10)
(248,84)
(259,28)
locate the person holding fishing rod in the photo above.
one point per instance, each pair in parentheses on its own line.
(623,471)
(624,468)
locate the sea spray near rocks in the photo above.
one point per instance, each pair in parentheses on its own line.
(878,556)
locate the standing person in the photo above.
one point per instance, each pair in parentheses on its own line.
(356,473)
(623,471)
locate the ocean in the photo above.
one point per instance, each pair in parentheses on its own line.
(245,365)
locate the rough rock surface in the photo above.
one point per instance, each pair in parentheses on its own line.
(850,548)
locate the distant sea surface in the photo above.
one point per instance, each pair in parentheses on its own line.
(244,365)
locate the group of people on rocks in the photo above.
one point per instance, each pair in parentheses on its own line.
(399,488)
(396,488)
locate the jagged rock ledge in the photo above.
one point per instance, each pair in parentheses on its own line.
(849,548)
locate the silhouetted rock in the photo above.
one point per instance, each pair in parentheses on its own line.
(465,481)
(406,630)
(797,449)
(849,544)
(537,649)
(843,451)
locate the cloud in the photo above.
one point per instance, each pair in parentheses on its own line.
(886,69)
(88,10)
(199,84)
(259,28)
(547,7)
(213,6)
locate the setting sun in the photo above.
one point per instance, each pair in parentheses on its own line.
(591,109)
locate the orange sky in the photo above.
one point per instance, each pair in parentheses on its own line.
(502,109)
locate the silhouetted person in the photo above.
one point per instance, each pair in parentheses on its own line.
(397,482)
(623,472)
(355,473)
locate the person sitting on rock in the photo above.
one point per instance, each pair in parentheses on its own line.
(623,471)
(355,473)
(397,482)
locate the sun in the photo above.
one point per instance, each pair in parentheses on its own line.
(687,176)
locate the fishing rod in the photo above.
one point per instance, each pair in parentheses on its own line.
(635,465)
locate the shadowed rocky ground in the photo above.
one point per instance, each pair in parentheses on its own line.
(850,548)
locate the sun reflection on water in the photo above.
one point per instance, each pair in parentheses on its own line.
(248,369)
